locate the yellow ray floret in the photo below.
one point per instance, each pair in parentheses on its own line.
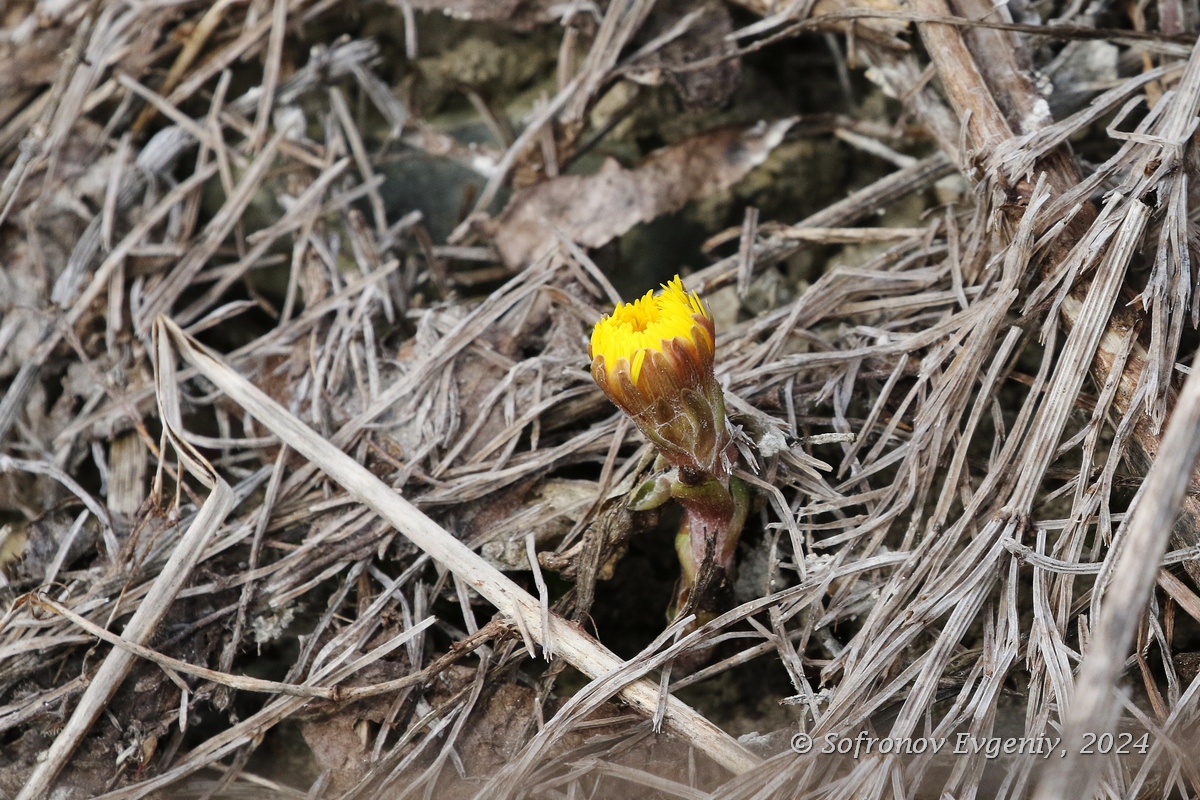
(633,329)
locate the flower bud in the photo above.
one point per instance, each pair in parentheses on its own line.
(654,359)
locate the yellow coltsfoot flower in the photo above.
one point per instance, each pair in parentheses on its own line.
(654,359)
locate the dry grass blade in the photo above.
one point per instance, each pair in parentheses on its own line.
(580,650)
(236,681)
(1094,706)
(140,627)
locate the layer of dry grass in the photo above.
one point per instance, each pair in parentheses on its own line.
(303,500)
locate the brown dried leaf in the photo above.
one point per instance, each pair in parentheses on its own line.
(550,510)
(591,210)
(341,740)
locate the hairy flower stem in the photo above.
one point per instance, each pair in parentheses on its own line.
(706,544)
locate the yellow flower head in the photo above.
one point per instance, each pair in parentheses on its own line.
(654,359)
(647,325)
